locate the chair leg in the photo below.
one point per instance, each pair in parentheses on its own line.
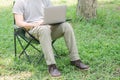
(56,54)
(23,51)
(15,45)
(24,48)
(35,48)
(41,58)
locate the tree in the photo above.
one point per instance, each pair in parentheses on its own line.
(87,8)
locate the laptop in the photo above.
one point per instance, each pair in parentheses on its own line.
(55,14)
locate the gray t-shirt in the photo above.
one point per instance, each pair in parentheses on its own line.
(32,10)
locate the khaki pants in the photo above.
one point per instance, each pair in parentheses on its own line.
(46,33)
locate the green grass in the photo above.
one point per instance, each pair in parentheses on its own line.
(98,42)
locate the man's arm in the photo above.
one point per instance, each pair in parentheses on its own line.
(19,19)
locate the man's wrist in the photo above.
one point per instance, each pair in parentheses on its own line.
(32,27)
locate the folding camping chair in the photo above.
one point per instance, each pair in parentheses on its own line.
(19,33)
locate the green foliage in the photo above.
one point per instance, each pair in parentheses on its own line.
(98,42)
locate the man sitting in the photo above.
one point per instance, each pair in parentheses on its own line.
(29,14)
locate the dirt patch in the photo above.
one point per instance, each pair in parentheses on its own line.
(117,72)
(118,8)
(19,76)
(2,66)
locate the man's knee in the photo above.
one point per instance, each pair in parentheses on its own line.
(67,26)
(45,29)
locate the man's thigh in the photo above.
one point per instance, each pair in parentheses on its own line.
(58,30)
(36,31)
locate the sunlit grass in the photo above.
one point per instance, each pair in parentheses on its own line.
(5,3)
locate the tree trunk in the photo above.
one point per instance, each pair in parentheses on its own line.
(87,8)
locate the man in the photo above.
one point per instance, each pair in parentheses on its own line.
(29,14)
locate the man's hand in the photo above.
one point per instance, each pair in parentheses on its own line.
(38,23)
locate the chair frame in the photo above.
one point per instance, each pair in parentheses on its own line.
(17,36)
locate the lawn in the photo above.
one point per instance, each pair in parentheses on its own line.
(98,42)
